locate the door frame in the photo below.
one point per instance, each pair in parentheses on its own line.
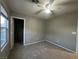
(12,31)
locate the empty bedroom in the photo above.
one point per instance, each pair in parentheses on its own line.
(38,29)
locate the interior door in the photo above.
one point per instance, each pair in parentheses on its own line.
(18,30)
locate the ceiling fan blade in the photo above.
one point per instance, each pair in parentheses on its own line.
(67,3)
(40,5)
(39,11)
(52,13)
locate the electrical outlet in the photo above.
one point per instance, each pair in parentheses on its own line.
(74,33)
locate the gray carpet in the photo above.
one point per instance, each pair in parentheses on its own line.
(43,50)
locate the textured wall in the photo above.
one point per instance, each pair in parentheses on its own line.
(60,30)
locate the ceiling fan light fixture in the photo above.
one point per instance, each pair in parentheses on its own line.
(47,11)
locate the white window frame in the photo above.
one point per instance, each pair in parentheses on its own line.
(5,15)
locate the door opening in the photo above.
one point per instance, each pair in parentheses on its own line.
(18,30)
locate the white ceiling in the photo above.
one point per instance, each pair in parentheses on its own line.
(26,7)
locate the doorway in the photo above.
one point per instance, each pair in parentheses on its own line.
(18,30)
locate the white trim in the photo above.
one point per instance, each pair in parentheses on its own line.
(24,32)
(33,43)
(18,17)
(61,46)
(4,11)
(4,46)
(24,28)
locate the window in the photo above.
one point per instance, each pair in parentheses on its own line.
(4,27)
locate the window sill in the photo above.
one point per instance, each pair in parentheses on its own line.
(3,43)
(4,46)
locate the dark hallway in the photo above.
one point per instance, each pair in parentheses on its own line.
(18,30)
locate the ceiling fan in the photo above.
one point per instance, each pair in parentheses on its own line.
(44,7)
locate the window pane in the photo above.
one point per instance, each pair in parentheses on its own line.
(3,36)
(3,22)
(4,28)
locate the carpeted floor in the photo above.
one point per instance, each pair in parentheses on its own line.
(43,50)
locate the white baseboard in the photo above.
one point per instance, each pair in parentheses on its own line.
(33,43)
(61,46)
(51,43)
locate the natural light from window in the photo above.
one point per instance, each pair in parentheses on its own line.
(4,28)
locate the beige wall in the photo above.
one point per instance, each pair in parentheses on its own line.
(33,29)
(6,50)
(60,30)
